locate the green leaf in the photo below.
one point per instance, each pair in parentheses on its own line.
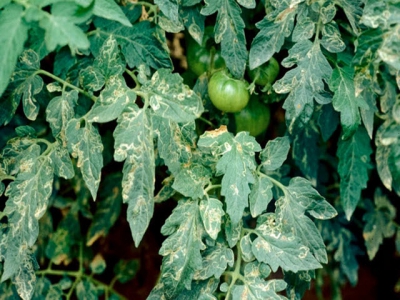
(84,143)
(345,100)
(229,31)
(328,120)
(354,162)
(26,84)
(232,231)
(331,39)
(174,142)
(353,12)
(342,241)
(28,199)
(110,61)
(215,261)
(279,250)
(305,150)
(256,287)
(61,244)
(112,101)
(14,32)
(110,10)
(211,213)
(171,99)
(300,197)
(61,26)
(379,223)
(169,20)
(107,210)
(274,28)
(134,144)
(181,250)
(191,179)
(275,153)
(387,154)
(139,43)
(260,196)
(86,290)
(305,82)
(60,111)
(236,164)
(25,278)
(194,22)
(62,163)
(298,283)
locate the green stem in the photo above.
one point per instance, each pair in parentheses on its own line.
(66,83)
(273,180)
(210,187)
(235,274)
(133,76)
(206,121)
(7,177)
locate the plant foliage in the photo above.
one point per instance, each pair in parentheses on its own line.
(96,112)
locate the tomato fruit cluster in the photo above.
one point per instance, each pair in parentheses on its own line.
(204,57)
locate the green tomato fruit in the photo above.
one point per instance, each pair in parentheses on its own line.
(199,56)
(254,118)
(266,73)
(226,93)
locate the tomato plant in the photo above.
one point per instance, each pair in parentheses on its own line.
(121,180)
(226,93)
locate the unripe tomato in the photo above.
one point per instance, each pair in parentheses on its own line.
(266,73)
(199,56)
(226,93)
(254,118)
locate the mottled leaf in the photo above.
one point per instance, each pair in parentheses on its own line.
(26,84)
(60,111)
(260,196)
(300,197)
(256,287)
(174,142)
(171,99)
(279,250)
(112,100)
(274,28)
(215,261)
(229,31)
(181,250)
(354,162)
(84,143)
(305,82)
(345,100)
(211,213)
(134,143)
(236,164)
(190,181)
(275,153)
(62,163)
